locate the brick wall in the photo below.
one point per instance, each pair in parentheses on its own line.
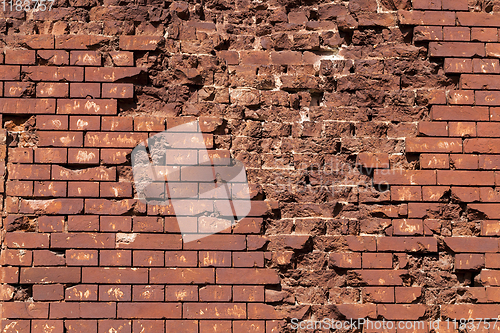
(370,131)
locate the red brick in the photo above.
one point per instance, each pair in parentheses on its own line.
(218,242)
(462,129)
(432,128)
(466,311)
(455,5)
(490,227)
(20,155)
(434,193)
(79,42)
(149,310)
(83,223)
(118,326)
(469,261)
(31,310)
(433,145)
(51,89)
(478,19)
(426,18)
(115,258)
(181,293)
(457,113)
(47,258)
(83,156)
(122,58)
(97,173)
(84,123)
(480,82)
(22,171)
(486,66)
(214,259)
(50,275)
(406,244)
(40,326)
(456,49)
(18,89)
(116,223)
(149,258)
(405,177)
(427,4)
(472,244)
(345,260)
(182,275)
(81,292)
(246,276)
(494,114)
(117,90)
(114,275)
(85,58)
(81,106)
(461,97)
(16,258)
(465,178)
(113,207)
(378,294)
(460,161)
(50,155)
(425,33)
(111,74)
(114,156)
(407,227)
(50,189)
(115,293)
(406,193)
(49,73)
(457,65)
(484,34)
(456,34)
(50,223)
(140,43)
(114,139)
(181,259)
(32,41)
(248,293)
(51,292)
(85,90)
(82,241)
(149,124)
(248,259)
(44,122)
(81,257)
(215,294)
(60,139)
(485,146)
(149,241)
(215,310)
(10,73)
(53,57)
(117,190)
(487,98)
(27,106)
(117,123)
(19,57)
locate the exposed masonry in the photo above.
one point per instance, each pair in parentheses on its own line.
(370,133)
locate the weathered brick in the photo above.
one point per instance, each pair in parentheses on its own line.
(83,156)
(149,310)
(85,90)
(122,58)
(112,74)
(60,139)
(53,57)
(50,275)
(460,113)
(140,43)
(117,90)
(89,107)
(27,106)
(79,42)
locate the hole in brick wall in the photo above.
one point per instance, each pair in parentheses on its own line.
(22,292)
(13,123)
(316,99)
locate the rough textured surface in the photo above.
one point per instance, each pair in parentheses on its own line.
(370,130)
